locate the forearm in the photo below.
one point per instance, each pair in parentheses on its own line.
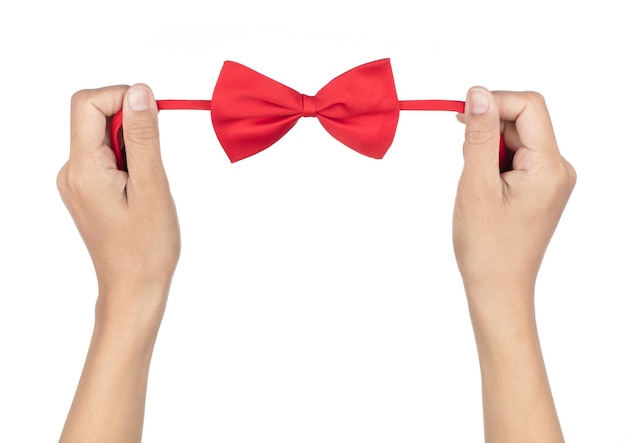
(517,400)
(109,402)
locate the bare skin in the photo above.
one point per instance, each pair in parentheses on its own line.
(501,229)
(129,224)
(502,226)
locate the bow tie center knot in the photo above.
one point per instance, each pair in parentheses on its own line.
(309,108)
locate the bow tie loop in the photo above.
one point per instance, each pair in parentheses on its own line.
(309,106)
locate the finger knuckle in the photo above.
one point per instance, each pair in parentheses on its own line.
(79,98)
(563,177)
(75,182)
(535,98)
(479,135)
(141,134)
(61,180)
(572,175)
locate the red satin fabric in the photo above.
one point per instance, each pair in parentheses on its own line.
(250,111)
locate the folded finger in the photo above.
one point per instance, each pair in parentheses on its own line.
(88,120)
(527,121)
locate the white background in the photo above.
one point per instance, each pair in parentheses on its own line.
(317,298)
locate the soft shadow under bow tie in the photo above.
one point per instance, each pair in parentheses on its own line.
(250,111)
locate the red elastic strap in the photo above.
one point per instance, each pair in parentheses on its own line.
(205,105)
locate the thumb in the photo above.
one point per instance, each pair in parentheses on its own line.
(141,136)
(482,134)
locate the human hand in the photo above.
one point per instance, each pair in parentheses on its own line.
(502,226)
(127,220)
(504,222)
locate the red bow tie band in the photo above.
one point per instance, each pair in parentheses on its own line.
(250,111)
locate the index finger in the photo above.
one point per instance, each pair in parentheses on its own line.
(88,119)
(529,114)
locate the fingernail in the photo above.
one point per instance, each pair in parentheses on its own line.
(139,98)
(478,101)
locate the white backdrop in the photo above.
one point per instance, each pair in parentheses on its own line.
(317,298)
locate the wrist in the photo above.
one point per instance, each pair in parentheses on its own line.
(500,293)
(502,317)
(133,314)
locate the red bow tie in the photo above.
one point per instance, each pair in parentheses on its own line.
(250,111)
